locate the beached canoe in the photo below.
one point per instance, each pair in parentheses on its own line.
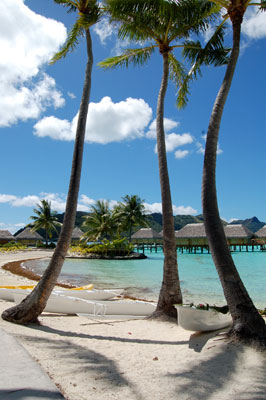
(6,293)
(192,319)
(57,303)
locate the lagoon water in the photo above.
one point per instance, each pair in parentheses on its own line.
(142,278)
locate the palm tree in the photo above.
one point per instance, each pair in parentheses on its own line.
(100,223)
(131,213)
(162,23)
(45,219)
(34,304)
(247,323)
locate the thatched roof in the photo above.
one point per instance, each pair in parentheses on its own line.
(28,235)
(146,233)
(6,235)
(261,233)
(237,231)
(198,231)
(191,231)
(76,233)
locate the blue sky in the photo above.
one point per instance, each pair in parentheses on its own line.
(39,104)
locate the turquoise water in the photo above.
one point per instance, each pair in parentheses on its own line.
(142,278)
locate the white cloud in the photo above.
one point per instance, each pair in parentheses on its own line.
(87,200)
(177,210)
(169,124)
(12,228)
(181,153)
(103,29)
(201,146)
(254,24)
(27,43)
(71,95)
(107,122)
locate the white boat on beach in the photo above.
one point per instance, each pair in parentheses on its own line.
(58,303)
(193,319)
(7,292)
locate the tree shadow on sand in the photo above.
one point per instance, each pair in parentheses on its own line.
(234,372)
(81,360)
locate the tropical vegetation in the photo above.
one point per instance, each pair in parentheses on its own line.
(247,322)
(45,219)
(116,248)
(166,26)
(28,311)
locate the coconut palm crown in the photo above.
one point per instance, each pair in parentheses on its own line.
(45,219)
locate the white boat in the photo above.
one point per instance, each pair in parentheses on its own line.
(193,319)
(6,293)
(57,303)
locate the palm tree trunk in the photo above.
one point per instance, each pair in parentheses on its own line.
(34,304)
(170,292)
(247,323)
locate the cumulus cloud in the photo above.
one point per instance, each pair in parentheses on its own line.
(172,140)
(103,29)
(254,24)
(201,146)
(12,228)
(177,210)
(181,153)
(25,48)
(107,122)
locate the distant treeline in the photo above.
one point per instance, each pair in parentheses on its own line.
(155,222)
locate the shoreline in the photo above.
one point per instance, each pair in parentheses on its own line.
(134,359)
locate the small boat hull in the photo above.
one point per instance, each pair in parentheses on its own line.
(93,294)
(192,319)
(58,303)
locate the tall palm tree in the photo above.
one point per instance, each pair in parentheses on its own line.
(162,23)
(34,304)
(45,219)
(131,213)
(100,223)
(247,323)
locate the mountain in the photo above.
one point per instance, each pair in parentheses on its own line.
(253,224)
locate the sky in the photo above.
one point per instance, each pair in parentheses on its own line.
(39,105)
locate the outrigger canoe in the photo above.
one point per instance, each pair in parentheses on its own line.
(84,292)
(193,319)
(57,303)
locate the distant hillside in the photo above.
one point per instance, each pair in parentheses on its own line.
(155,222)
(253,224)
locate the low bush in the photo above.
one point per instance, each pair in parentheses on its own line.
(117,247)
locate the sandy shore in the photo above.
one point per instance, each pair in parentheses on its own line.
(136,359)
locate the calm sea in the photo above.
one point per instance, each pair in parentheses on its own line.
(142,278)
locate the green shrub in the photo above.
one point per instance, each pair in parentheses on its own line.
(12,246)
(117,247)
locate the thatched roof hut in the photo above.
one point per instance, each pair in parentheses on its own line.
(261,233)
(238,234)
(6,236)
(192,235)
(28,237)
(76,235)
(147,235)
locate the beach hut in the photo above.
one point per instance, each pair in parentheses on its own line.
(29,238)
(192,235)
(261,236)
(147,236)
(238,235)
(76,235)
(5,237)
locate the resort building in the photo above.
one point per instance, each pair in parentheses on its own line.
(261,236)
(76,235)
(29,238)
(147,236)
(5,237)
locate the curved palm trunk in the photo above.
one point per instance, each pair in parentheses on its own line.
(170,292)
(247,323)
(34,304)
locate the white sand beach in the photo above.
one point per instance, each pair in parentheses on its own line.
(136,359)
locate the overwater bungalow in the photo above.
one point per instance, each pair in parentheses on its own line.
(261,236)
(146,236)
(238,235)
(6,236)
(29,238)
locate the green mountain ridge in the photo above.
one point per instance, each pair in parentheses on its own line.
(155,222)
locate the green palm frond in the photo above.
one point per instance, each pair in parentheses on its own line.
(178,75)
(135,56)
(71,42)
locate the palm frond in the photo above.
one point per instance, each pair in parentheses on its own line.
(134,56)
(71,42)
(178,75)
